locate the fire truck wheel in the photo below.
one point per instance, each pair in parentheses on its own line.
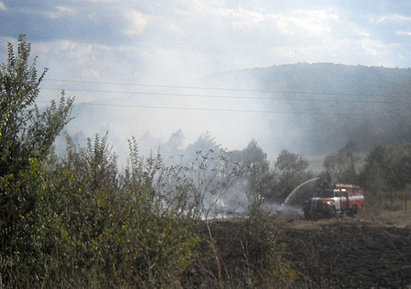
(331,213)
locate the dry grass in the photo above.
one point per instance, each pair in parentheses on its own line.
(371,250)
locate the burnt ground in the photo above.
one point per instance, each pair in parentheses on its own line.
(370,251)
(352,253)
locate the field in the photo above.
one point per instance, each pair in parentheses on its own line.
(372,250)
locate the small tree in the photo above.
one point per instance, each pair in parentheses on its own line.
(26,139)
(343,166)
(387,170)
(292,170)
(257,181)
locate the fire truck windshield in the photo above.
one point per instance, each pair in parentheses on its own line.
(325,194)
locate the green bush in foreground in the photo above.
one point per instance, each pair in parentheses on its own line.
(26,138)
(76,221)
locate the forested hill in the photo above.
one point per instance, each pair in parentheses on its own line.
(326,104)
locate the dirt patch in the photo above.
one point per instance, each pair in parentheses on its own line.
(351,253)
(358,252)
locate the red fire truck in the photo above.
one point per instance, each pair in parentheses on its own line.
(343,198)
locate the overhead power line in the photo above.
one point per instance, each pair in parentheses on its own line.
(218,96)
(229,110)
(212,88)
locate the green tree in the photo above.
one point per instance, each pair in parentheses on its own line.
(26,140)
(343,166)
(255,163)
(291,170)
(374,175)
(257,181)
(387,170)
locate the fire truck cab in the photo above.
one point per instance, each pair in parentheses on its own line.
(343,198)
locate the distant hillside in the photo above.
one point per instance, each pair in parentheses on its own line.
(326,104)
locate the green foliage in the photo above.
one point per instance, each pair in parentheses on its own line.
(343,166)
(112,227)
(257,179)
(292,170)
(77,221)
(386,170)
(25,131)
(26,139)
(257,168)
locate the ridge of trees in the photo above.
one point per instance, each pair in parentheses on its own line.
(348,110)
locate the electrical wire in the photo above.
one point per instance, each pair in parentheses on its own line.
(212,88)
(282,98)
(230,110)
(219,96)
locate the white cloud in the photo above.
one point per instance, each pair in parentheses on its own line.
(311,22)
(136,22)
(236,37)
(316,22)
(407,33)
(391,18)
(98,1)
(2,6)
(197,37)
(74,54)
(60,12)
(373,47)
(241,18)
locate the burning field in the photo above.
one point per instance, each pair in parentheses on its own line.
(370,251)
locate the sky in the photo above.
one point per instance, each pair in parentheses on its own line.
(102,51)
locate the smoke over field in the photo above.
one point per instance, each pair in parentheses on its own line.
(280,107)
(188,148)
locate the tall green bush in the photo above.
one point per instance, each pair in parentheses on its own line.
(26,138)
